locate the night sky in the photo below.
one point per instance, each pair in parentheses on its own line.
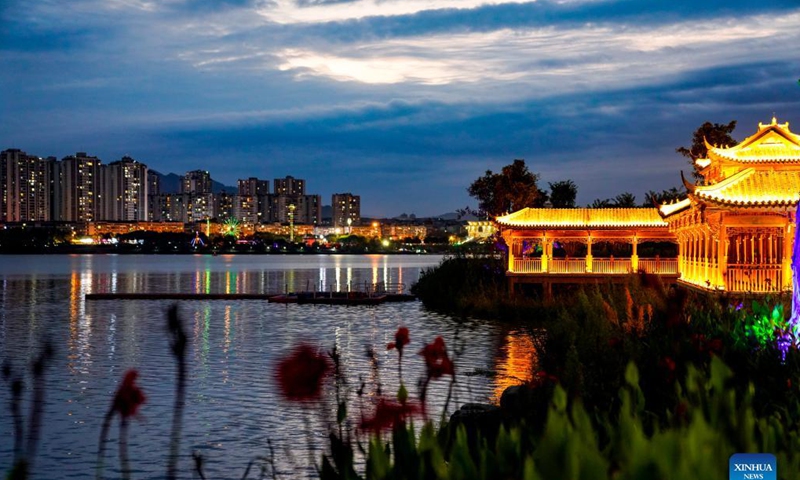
(404,102)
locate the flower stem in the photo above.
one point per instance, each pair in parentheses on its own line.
(101,449)
(124,463)
(178,344)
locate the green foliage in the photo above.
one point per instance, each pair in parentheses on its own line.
(563,194)
(514,188)
(716,134)
(714,422)
(462,285)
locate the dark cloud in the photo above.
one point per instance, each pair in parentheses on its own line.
(197,85)
(316,3)
(627,13)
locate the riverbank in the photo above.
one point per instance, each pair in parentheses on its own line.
(592,335)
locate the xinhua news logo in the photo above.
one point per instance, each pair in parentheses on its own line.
(753,466)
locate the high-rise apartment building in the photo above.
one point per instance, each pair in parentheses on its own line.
(346,206)
(245,208)
(75,188)
(153,195)
(197,182)
(25,194)
(290,186)
(253,186)
(125,195)
(307,209)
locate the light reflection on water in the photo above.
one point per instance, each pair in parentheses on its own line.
(232,404)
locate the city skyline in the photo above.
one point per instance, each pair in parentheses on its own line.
(402,102)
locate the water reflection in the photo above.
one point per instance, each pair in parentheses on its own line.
(516,361)
(232,402)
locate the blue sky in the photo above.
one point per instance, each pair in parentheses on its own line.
(404,102)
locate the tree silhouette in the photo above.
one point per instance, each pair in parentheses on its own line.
(717,134)
(563,193)
(514,188)
(653,198)
(625,200)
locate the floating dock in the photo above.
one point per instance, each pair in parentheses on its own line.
(318,296)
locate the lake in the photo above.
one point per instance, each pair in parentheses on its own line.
(233,409)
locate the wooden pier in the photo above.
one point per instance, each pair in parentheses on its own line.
(319,296)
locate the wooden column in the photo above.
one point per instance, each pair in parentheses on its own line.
(722,259)
(706,257)
(546,248)
(509,238)
(788,246)
(589,257)
(635,254)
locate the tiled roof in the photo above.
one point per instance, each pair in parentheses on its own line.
(583,218)
(668,209)
(773,143)
(763,153)
(752,187)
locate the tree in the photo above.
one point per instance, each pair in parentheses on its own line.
(625,200)
(653,198)
(716,134)
(598,203)
(563,193)
(514,188)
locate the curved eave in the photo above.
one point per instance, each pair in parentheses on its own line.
(668,209)
(782,202)
(759,160)
(702,163)
(690,187)
(572,226)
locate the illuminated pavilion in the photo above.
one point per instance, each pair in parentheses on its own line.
(734,231)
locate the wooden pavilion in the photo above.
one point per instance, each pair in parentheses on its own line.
(532,233)
(734,231)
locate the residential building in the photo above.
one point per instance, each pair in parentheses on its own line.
(253,186)
(346,209)
(75,188)
(24,187)
(196,182)
(290,186)
(124,196)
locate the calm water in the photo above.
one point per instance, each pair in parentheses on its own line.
(232,405)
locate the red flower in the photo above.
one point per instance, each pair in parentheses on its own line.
(436,360)
(300,374)
(129,396)
(389,413)
(668,363)
(400,340)
(715,346)
(682,412)
(540,377)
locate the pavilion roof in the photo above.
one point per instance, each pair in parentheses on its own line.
(772,143)
(582,218)
(753,187)
(668,209)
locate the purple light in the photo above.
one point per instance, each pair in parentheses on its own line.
(794,320)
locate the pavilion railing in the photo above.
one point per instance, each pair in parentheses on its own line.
(658,265)
(611,265)
(568,265)
(603,266)
(528,265)
(758,278)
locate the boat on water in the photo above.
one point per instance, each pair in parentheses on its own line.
(330,298)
